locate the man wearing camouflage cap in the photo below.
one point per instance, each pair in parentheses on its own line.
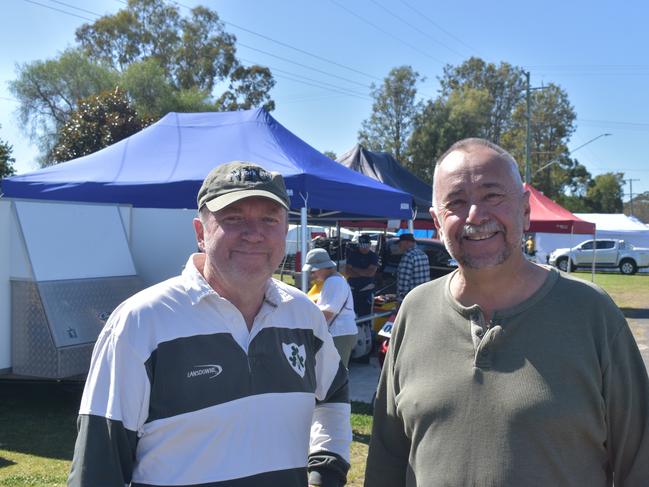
(221,376)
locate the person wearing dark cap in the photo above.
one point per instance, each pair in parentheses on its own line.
(222,375)
(334,300)
(360,269)
(413,269)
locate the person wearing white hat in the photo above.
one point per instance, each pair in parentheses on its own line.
(335,301)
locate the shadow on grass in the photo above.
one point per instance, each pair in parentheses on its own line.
(362,408)
(6,463)
(636,313)
(39,418)
(361,437)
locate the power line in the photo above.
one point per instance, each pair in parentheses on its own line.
(76,8)
(409,24)
(289,46)
(310,81)
(616,124)
(388,33)
(340,92)
(59,10)
(303,65)
(424,16)
(302,51)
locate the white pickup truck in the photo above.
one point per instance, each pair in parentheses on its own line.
(607,254)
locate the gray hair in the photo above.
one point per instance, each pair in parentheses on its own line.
(467,146)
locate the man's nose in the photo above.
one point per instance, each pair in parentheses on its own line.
(253,231)
(476,214)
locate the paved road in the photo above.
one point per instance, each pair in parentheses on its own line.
(639,323)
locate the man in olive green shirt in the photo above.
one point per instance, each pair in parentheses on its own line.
(506,373)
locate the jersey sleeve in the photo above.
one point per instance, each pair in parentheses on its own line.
(331,433)
(113,407)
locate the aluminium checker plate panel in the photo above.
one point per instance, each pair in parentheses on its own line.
(55,323)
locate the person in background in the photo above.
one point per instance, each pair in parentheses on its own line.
(414,268)
(506,373)
(222,375)
(334,300)
(360,269)
(529,246)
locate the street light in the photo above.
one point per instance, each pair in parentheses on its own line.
(554,161)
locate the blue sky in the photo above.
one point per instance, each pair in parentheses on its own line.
(325,53)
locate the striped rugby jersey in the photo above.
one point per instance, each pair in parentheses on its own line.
(180,393)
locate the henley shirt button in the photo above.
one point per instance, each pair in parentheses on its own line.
(479,332)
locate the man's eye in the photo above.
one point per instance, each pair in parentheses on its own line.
(454,204)
(233,219)
(494,197)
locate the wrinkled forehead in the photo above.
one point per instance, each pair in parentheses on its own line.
(481,168)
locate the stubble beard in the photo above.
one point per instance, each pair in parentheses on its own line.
(476,262)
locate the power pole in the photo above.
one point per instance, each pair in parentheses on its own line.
(528,139)
(630,181)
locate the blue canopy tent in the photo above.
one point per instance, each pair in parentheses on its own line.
(163,166)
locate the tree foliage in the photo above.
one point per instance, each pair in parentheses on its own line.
(99,121)
(505,85)
(330,154)
(48,91)
(163,60)
(442,122)
(479,99)
(605,193)
(393,112)
(638,207)
(552,124)
(6,159)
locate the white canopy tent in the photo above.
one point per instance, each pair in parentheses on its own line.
(619,226)
(614,225)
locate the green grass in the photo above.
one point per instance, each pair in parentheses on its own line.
(38,430)
(630,293)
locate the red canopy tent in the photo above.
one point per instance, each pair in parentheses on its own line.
(550,217)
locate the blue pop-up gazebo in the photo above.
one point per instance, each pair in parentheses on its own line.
(163,166)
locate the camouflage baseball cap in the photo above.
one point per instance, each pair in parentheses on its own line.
(237,180)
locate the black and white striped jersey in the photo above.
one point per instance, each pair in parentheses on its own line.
(181,393)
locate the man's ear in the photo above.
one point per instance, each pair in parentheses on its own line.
(527,211)
(200,233)
(438,227)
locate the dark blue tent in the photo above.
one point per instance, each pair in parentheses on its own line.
(383,167)
(163,166)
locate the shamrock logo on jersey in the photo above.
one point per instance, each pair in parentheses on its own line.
(296,356)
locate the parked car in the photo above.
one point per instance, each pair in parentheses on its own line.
(607,253)
(439,259)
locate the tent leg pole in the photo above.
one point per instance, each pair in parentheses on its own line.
(338,252)
(592,273)
(303,250)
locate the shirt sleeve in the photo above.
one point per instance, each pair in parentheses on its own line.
(404,276)
(113,407)
(331,432)
(387,460)
(626,392)
(333,295)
